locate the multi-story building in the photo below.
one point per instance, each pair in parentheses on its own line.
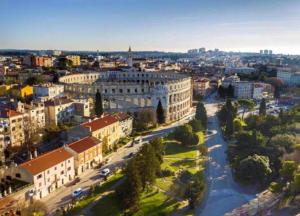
(262,90)
(2,149)
(48,91)
(59,110)
(131,91)
(201,86)
(41,61)
(243,89)
(34,114)
(75,59)
(126,123)
(231,80)
(12,126)
(87,153)
(107,129)
(47,172)
(288,76)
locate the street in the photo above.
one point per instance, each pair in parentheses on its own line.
(223,194)
(62,196)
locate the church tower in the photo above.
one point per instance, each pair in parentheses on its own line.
(129,59)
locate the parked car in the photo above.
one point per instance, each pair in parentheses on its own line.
(77,193)
(105,172)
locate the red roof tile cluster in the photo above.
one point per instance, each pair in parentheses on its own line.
(7,113)
(84,144)
(121,116)
(100,122)
(46,161)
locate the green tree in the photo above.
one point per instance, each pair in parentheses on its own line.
(195,189)
(159,147)
(288,170)
(98,104)
(196,125)
(254,169)
(230,91)
(295,186)
(262,107)
(185,135)
(63,63)
(144,120)
(201,114)
(238,125)
(160,113)
(229,124)
(149,166)
(130,191)
(247,105)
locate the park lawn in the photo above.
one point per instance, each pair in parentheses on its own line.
(109,206)
(82,203)
(176,150)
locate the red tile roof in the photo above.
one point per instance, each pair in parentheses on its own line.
(100,123)
(46,161)
(7,113)
(84,144)
(121,116)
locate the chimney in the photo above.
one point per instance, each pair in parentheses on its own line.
(35,153)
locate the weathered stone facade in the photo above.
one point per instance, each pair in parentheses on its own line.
(130,91)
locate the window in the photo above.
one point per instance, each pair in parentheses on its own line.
(121,90)
(18,175)
(62,172)
(69,168)
(39,176)
(62,165)
(128,90)
(135,90)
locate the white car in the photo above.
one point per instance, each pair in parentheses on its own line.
(77,193)
(105,172)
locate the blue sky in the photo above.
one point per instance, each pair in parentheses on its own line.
(167,25)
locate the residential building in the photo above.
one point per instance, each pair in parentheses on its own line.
(12,126)
(75,59)
(201,86)
(2,149)
(47,172)
(126,123)
(41,61)
(87,153)
(262,90)
(34,114)
(231,80)
(243,89)
(48,91)
(59,110)
(288,76)
(107,129)
(26,91)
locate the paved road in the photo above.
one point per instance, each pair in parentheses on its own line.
(223,194)
(62,196)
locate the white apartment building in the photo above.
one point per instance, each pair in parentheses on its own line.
(231,80)
(12,126)
(288,76)
(59,110)
(34,114)
(243,89)
(48,91)
(46,172)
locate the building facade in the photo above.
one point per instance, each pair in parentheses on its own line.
(131,91)
(75,59)
(48,91)
(243,89)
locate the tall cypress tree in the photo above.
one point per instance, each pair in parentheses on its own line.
(262,107)
(201,114)
(229,124)
(98,104)
(160,114)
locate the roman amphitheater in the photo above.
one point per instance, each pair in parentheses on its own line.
(130,91)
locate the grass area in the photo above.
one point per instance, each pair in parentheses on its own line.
(177,158)
(175,150)
(82,203)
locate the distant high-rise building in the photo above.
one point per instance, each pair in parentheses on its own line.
(266,52)
(129,59)
(261,52)
(270,52)
(202,50)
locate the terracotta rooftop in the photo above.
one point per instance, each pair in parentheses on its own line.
(84,144)
(46,161)
(122,116)
(100,122)
(7,113)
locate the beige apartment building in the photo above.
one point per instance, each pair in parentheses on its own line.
(87,153)
(46,172)
(107,129)
(12,126)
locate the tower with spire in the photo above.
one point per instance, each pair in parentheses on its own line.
(129,59)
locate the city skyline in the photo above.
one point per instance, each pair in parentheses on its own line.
(231,25)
